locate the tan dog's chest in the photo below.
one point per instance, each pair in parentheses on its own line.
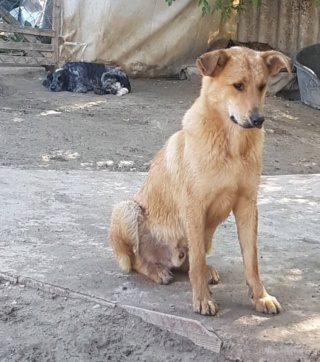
(218,182)
(221,189)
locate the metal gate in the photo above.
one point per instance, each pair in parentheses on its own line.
(29,31)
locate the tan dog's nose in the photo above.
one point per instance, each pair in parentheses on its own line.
(256,119)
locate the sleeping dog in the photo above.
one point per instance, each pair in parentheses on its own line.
(81,77)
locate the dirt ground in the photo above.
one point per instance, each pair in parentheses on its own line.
(64,131)
(39,327)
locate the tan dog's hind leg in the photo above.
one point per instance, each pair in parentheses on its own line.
(246,215)
(202,301)
(212,275)
(156,272)
(124,233)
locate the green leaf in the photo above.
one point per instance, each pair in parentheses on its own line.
(170,2)
(256,3)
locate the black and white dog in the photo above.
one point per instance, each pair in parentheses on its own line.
(81,77)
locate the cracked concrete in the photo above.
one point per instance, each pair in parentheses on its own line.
(54,225)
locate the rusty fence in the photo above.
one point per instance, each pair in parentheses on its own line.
(29,31)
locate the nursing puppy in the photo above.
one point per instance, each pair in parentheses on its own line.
(135,246)
(205,171)
(81,77)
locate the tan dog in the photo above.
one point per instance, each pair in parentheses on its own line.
(204,171)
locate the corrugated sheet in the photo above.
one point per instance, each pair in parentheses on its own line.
(286,25)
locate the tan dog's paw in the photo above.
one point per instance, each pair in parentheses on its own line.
(161,275)
(213,275)
(268,305)
(205,306)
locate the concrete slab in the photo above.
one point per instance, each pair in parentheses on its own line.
(53,229)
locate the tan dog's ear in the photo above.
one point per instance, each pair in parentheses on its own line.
(212,63)
(276,61)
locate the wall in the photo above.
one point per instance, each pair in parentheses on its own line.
(287,25)
(146,38)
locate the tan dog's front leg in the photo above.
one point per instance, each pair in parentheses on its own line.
(202,301)
(246,215)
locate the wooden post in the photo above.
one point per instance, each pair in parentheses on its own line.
(56,27)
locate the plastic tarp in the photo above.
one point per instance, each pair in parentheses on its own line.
(145,38)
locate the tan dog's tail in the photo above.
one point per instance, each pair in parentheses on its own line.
(124,232)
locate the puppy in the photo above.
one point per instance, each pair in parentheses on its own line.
(137,249)
(80,77)
(205,171)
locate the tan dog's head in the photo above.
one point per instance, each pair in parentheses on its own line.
(235,82)
(179,255)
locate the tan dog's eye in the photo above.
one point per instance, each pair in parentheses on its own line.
(262,87)
(239,86)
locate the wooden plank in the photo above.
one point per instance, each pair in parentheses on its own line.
(22,60)
(56,24)
(26,30)
(8,18)
(26,46)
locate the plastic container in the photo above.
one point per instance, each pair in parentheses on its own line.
(307,63)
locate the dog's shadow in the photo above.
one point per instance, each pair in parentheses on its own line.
(179,276)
